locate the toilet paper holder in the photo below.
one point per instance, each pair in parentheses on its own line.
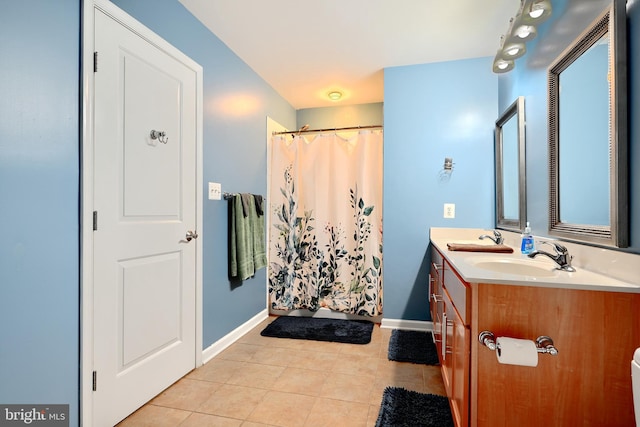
(544,344)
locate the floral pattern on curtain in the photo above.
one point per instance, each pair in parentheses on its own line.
(326,223)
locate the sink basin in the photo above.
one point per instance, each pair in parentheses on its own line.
(521,267)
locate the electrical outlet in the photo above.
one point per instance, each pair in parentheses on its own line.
(215,191)
(449,210)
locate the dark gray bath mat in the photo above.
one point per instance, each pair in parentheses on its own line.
(318,329)
(412,346)
(406,408)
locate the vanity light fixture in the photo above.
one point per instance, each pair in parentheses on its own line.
(522,28)
(334,95)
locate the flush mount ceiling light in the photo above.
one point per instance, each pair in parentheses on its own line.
(522,29)
(334,95)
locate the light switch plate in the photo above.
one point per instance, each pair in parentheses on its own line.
(215,191)
(449,210)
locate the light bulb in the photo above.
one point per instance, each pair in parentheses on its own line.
(335,95)
(501,65)
(512,51)
(536,12)
(524,31)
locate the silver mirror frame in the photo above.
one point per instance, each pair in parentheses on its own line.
(613,23)
(515,110)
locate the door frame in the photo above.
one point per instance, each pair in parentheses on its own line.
(87,182)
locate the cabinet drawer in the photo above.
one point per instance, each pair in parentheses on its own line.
(459,293)
(436,259)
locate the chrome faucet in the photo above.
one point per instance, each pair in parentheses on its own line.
(561,257)
(497,237)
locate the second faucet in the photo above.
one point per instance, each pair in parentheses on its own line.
(497,237)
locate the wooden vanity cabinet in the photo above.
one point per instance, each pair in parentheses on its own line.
(449,304)
(587,384)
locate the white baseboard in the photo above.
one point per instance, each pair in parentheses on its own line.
(410,325)
(217,347)
(324,313)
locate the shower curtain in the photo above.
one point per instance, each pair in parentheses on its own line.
(325,237)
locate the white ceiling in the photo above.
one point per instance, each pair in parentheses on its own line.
(307,48)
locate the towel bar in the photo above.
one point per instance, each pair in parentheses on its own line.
(229,196)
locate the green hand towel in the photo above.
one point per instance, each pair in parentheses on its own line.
(257,231)
(247,240)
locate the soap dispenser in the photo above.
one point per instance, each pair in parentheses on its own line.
(527,241)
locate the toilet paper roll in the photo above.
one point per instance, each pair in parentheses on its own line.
(512,351)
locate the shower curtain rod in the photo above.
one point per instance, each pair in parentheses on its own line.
(298,132)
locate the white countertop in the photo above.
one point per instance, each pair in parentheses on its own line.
(468,265)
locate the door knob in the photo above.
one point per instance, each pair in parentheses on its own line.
(191,235)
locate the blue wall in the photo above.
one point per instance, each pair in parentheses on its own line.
(39,185)
(39,190)
(341,116)
(433,111)
(529,79)
(236,103)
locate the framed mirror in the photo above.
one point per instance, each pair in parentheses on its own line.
(511,189)
(588,135)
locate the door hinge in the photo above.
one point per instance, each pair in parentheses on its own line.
(95,62)
(95,220)
(95,380)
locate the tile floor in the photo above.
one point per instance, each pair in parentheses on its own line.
(260,381)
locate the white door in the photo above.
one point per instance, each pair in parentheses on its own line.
(144,266)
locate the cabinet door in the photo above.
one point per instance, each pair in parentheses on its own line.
(447,344)
(460,370)
(587,384)
(455,367)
